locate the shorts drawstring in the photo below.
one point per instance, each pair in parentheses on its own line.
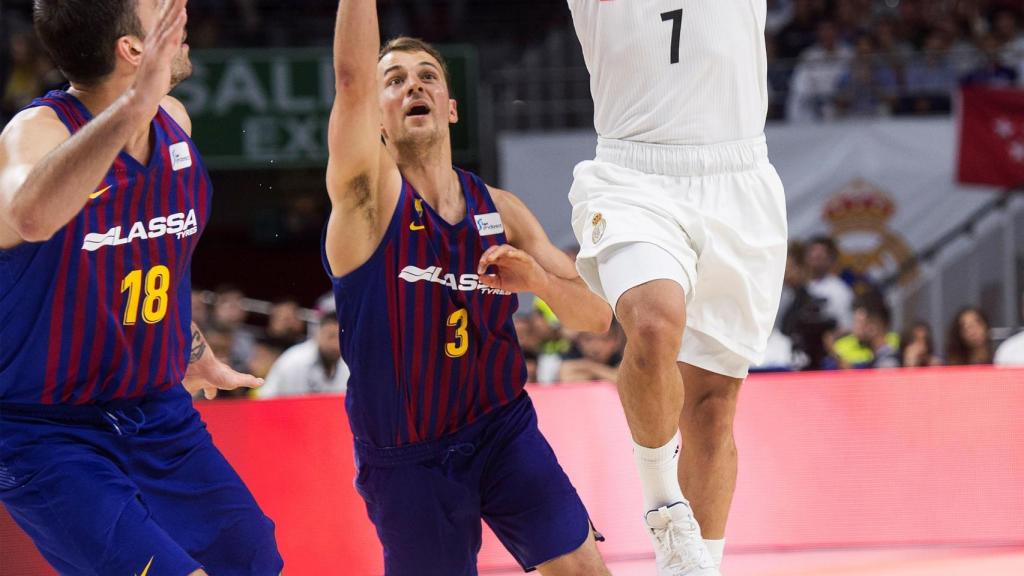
(465,449)
(123,424)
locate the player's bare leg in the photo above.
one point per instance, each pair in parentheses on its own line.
(653,316)
(199,573)
(584,561)
(707,468)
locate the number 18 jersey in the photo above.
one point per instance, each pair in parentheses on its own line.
(101,311)
(683,72)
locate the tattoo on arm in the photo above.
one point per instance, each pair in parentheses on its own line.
(198,345)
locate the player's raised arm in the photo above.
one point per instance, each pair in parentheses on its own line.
(530,262)
(357,158)
(354,131)
(46,176)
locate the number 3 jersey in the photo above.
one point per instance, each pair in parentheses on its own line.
(684,72)
(430,349)
(102,310)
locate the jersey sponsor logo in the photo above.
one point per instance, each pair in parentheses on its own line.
(181,225)
(464,283)
(98,193)
(181,156)
(489,224)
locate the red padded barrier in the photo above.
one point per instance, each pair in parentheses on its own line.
(932,456)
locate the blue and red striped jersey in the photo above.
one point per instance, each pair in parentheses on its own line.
(430,349)
(102,310)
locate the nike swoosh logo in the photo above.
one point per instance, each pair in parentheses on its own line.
(93,196)
(414,226)
(146,570)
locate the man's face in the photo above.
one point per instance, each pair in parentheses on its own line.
(598,347)
(818,260)
(327,341)
(149,14)
(415,106)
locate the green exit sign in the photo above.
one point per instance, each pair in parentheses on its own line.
(268,108)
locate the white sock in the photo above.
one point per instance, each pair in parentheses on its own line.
(658,474)
(717,549)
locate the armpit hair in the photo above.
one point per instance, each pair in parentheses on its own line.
(361,191)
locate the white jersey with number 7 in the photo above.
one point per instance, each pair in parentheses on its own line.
(687,72)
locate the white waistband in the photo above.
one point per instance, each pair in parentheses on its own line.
(675,160)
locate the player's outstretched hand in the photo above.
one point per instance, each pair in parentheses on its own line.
(162,45)
(214,376)
(513,270)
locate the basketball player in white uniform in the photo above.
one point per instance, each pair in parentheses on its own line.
(681,221)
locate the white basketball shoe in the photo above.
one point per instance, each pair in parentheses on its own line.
(678,547)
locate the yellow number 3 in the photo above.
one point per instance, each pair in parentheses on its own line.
(154,307)
(459,319)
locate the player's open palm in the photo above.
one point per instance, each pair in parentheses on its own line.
(214,376)
(162,45)
(508,268)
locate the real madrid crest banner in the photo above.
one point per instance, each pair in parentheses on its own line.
(992,137)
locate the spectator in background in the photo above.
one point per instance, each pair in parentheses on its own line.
(931,78)
(265,352)
(968,341)
(26,73)
(779,14)
(798,33)
(992,71)
(820,258)
(891,47)
(1007,32)
(803,317)
(870,344)
(313,367)
(229,316)
(816,77)
(284,326)
(869,86)
(553,343)
(599,356)
(1011,351)
(917,347)
(200,310)
(530,342)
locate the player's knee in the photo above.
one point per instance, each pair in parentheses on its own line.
(655,332)
(660,304)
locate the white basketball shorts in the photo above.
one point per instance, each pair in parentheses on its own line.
(717,211)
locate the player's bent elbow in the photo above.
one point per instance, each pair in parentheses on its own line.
(29,227)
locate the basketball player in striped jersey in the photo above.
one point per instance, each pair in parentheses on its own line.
(104,461)
(681,221)
(425,259)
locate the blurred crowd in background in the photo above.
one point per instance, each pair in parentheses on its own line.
(827,59)
(828,319)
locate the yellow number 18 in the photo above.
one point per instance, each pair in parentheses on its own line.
(154,306)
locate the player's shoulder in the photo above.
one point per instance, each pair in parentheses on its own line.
(177,110)
(505,200)
(33,128)
(39,117)
(520,223)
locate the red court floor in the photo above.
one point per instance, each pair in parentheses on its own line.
(864,562)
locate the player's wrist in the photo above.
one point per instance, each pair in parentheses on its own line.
(138,107)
